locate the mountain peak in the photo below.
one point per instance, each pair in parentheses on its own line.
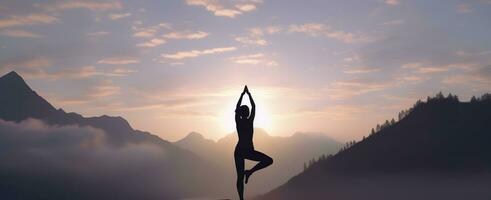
(193,138)
(13,79)
(195,135)
(18,101)
(12,74)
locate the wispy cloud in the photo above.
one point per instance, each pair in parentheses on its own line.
(463,8)
(478,78)
(394,22)
(17,33)
(255,36)
(116,16)
(91,5)
(41,68)
(104,89)
(350,88)
(422,68)
(339,112)
(186,35)
(120,72)
(318,29)
(27,63)
(88,71)
(145,33)
(152,42)
(246,40)
(97,33)
(246,7)
(31,19)
(119,61)
(362,70)
(254,59)
(392,2)
(472,53)
(152,31)
(218,9)
(195,53)
(29,67)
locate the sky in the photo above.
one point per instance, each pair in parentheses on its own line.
(171,67)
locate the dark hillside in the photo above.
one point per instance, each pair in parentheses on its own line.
(440,149)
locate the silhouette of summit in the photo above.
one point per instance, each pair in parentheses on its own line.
(179,172)
(294,150)
(18,101)
(438,150)
(193,138)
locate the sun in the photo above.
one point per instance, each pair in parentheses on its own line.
(262,119)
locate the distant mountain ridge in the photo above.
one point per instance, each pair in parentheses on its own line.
(439,150)
(290,153)
(19,102)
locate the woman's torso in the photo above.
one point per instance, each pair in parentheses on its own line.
(245,132)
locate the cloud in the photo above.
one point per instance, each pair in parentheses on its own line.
(392,2)
(39,68)
(254,59)
(362,70)
(88,71)
(104,89)
(146,32)
(246,7)
(90,5)
(17,33)
(98,33)
(249,40)
(152,43)
(152,31)
(30,67)
(472,53)
(176,63)
(173,103)
(195,53)
(255,36)
(479,78)
(340,112)
(116,16)
(394,22)
(421,68)
(312,29)
(186,35)
(356,87)
(318,29)
(463,8)
(119,61)
(80,160)
(219,9)
(74,73)
(120,72)
(31,19)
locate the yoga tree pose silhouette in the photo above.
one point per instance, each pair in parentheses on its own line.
(245,147)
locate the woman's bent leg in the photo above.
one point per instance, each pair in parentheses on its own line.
(264,161)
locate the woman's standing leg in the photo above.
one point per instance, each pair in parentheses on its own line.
(239,167)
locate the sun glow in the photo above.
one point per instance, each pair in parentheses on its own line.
(262,119)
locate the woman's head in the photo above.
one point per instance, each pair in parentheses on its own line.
(243,111)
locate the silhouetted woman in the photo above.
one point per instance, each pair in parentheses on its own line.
(245,149)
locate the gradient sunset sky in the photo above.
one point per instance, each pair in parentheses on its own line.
(176,66)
